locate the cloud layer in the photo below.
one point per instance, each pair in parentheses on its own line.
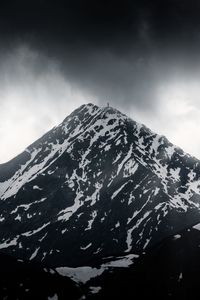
(141,56)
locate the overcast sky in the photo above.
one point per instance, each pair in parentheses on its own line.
(141,56)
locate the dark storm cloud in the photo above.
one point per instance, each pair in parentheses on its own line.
(142,56)
(117,50)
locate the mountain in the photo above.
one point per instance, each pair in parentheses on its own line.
(97,185)
(104,201)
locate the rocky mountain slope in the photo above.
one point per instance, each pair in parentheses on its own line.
(168,270)
(97,185)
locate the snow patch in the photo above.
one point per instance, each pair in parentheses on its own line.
(80,274)
(34,253)
(197,226)
(177,236)
(55,297)
(9,243)
(84,274)
(36,187)
(29,233)
(95,289)
(86,247)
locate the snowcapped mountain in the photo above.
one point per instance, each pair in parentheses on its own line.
(97,185)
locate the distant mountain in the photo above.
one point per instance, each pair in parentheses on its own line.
(99,185)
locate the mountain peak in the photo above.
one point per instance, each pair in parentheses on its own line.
(90,111)
(90,107)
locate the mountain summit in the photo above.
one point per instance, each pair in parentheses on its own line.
(97,185)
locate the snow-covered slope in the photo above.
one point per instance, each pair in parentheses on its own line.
(98,184)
